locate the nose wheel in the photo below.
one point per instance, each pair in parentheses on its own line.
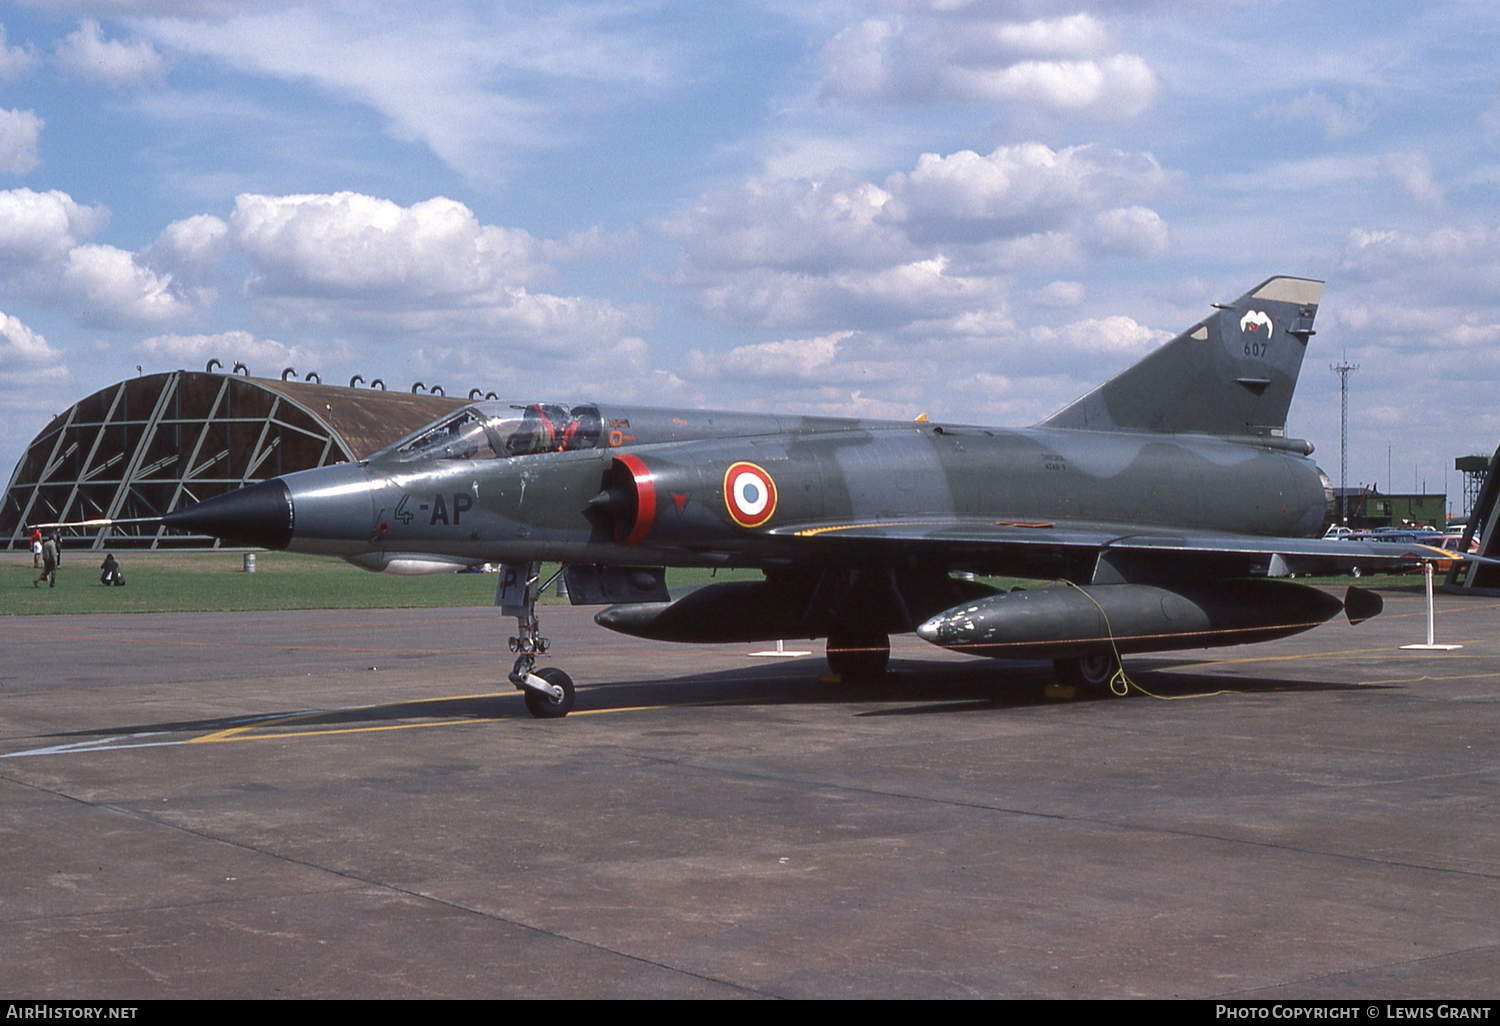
(545,706)
(548,691)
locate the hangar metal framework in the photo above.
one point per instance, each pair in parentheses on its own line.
(148,445)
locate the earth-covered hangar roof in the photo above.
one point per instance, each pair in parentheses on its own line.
(148,445)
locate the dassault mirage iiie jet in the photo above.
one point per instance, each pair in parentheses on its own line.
(1168,501)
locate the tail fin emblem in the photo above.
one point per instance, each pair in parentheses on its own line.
(1255,319)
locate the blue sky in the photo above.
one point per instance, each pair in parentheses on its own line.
(976,210)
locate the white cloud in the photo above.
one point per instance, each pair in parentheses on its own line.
(348,245)
(1060,294)
(1414,172)
(1129,231)
(616,367)
(790,358)
(429,271)
(1121,86)
(935,243)
(1117,334)
(797,225)
(591,244)
(189,249)
(1336,119)
(1017,190)
(814,373)
(1058,65)
(1453,268)
(42,226)
(43,258)
(474,84)
(884,298)
(803,357)
(107,287)
(341,262)
(984,326)
(856,60)
(86,54)
(148,8)
(1420,312)
(835,403)
(1311,174)
(264,356)
(34,382)
(19,131)
(1489,118)
(22,347)
(1079,34)
(809,148)
(15,61)
(536,323)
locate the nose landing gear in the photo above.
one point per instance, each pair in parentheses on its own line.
(548,691)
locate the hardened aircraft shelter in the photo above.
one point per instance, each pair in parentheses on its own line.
(152,444)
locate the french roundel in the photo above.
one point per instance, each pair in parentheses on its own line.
(749,494)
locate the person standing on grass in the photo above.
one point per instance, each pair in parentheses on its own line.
(57,543)
(36,549)
(49,565)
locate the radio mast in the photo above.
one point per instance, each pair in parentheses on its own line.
(1343,369)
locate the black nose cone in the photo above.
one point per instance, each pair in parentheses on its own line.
(259,515)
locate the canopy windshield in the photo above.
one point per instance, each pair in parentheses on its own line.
(488,431)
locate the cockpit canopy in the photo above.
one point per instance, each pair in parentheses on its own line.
(488,431)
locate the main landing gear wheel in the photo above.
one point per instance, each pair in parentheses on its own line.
(1090,672)
(545,707)
(861,657)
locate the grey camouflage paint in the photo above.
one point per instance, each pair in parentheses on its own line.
(1174,474)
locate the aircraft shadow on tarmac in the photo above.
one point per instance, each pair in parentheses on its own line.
(911,687)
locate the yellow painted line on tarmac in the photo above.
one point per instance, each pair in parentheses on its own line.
(623,708)
(228,736)
(672,705)
(1431,677)
(1334,655)
(233,732)
(1287,658)
(242,733)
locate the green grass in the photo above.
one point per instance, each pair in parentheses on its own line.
(214,581)
(190,581)
(1374,582)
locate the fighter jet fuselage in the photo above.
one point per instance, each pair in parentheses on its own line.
(677,502)
(1165,503)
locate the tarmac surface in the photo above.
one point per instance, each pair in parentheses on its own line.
(355,804)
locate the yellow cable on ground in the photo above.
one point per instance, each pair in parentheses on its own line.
(1120,683)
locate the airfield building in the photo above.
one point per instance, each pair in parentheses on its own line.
(148,445)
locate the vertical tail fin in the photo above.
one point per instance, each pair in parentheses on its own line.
(1231,374)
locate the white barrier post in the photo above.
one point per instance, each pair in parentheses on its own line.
(1430,647)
